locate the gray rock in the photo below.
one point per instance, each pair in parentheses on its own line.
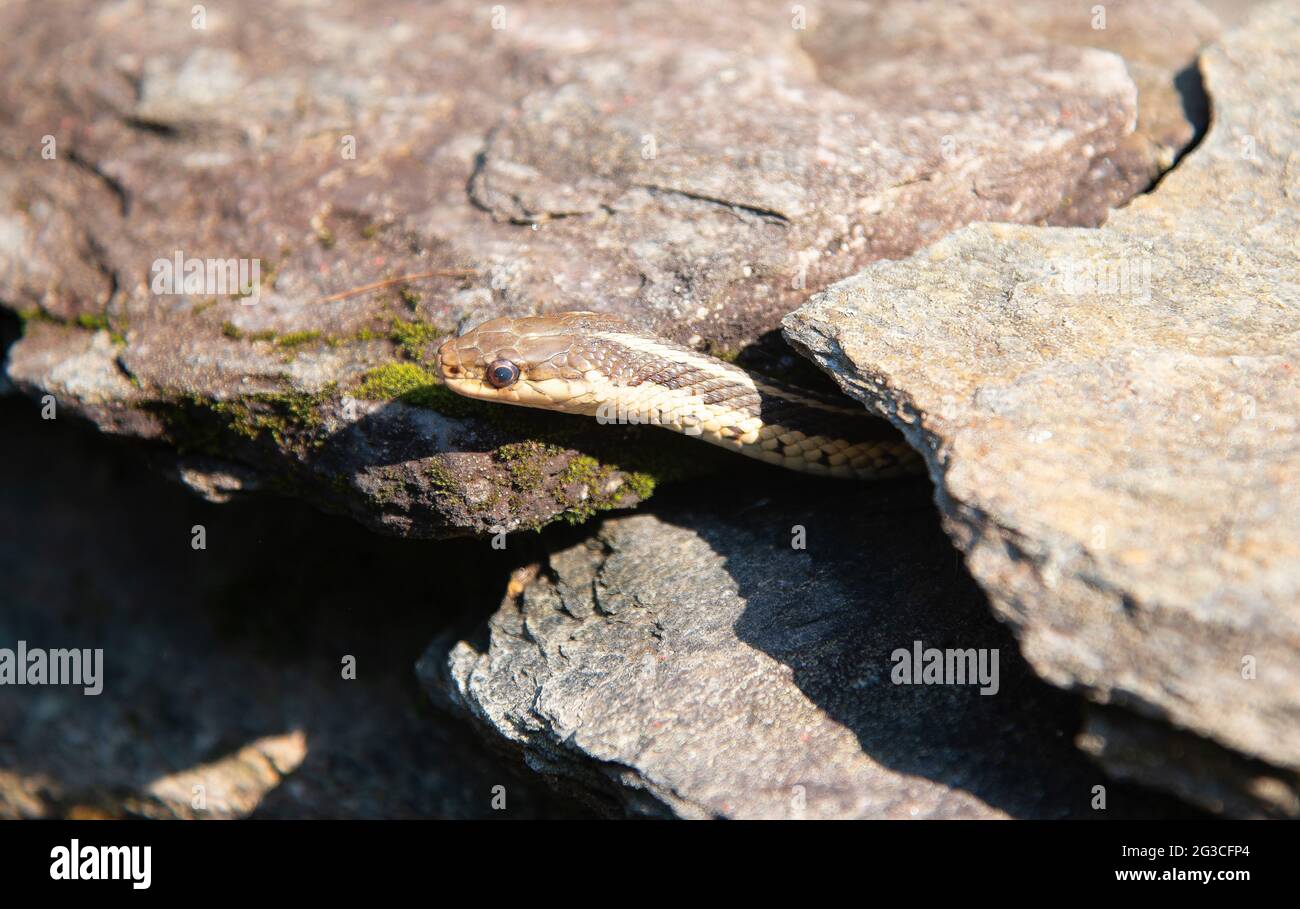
(693,663)
(1111,418)
(1132,747)
(701,172)
(222,667)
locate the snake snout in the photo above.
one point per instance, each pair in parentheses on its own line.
(461,368)
(448,359)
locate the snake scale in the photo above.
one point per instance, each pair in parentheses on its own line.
(598,365)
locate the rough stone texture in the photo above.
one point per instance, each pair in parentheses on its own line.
(692,663)
(701,169)
(1132,747)
(222,667)
(1112,419)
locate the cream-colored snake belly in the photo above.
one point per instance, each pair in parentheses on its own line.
(595,364)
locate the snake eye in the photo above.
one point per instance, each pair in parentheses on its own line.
(502,373)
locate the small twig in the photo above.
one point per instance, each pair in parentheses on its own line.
(404,279)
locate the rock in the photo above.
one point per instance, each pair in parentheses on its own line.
(701,173)
(694,663)
(1159,44)
(222,667)
(233,786)
(1112,422)
(1132,747)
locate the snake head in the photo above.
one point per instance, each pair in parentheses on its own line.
(535,361)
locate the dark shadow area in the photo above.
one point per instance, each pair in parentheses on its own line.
(879,574)
(10,331)
(772,357)
(1197,109)
(1196,103)
(207,651)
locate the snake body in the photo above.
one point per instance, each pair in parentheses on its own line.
(598,365)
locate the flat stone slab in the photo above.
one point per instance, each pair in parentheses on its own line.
(701,173)
(1112,417)
(695,663)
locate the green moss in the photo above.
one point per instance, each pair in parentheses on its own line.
(389,487)
(440,481)
(412,384)
(287,340)
(190,424)
(292,419)
(526,463)
(297,338)
(299,409)
(86,320)
(413,338)
(370,231)
(580,469)
(599,486)
(35,314)
(726,354)
(595,478)
(592,476)
(394,380)
(642,484)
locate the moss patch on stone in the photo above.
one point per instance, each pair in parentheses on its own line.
(412,384)
(86,320)
(526,462)
(291,419)
(287,340)
(93,321)
(583,487)
(413,338)
(600,492)
(394,380)
(297,338)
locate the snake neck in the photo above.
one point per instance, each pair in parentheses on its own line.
(663,384)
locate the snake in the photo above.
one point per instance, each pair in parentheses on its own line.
(600,365)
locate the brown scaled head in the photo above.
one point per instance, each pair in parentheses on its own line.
(531,361)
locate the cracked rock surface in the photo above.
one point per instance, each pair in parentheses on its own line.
(700,171)
(1112,421)
(696,663)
